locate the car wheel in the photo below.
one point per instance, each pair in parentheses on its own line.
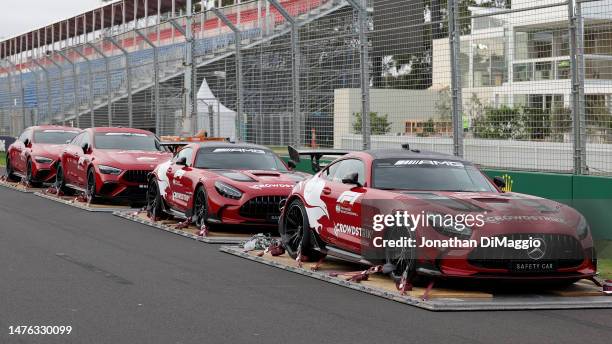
(90,191)
(400,261)
(10,172)
(154,205)
(60,181)
(295,233)
(200,207)
(29,175)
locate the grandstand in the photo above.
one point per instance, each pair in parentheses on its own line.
(126,63)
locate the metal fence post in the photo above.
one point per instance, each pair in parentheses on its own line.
(364,62)
(454,36)
(155,78)
(61,74)
(295,72)
(578,99)
(239,86)
(128,77)
(48,84)
(91,90)
(21,86)
(108,82)
(189,95)
(75,88)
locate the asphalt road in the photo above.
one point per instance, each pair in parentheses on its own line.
(116,281)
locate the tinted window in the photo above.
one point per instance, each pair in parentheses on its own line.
(127,141)
(346,167)
(53,136)
(431,175)
(77,140)
(330,171)
(186,153)
(238,159)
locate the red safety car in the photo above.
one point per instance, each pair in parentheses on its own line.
(364,207)
(34,155)
(218,183)
(110,163)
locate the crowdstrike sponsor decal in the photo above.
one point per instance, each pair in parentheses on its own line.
(239,150)
(341,228)
(429,162)
(270,186)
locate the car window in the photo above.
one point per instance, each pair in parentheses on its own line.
(238,158)
(127,141)
(348,166)
(85,139)
(185,153)
(77,140)
(23,136)
(329,172)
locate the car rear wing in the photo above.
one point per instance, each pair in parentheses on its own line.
(315,155)
(172,146)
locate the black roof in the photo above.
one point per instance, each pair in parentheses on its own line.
(411,154)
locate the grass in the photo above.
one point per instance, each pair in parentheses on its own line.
(604,258)
(2,159)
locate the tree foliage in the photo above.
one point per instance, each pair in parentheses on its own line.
(379,125)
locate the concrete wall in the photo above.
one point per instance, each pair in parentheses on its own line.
(399,105)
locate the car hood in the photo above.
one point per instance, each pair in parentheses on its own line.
(52,151)
(260,179)
(144,160)
(502,212)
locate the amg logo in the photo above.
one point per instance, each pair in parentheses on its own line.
(239,150)
(429,162)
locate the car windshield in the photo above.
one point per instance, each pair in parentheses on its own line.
(238,159)
(54,136)
(428,175)
(127,141)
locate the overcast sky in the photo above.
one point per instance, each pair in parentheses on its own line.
(23,15)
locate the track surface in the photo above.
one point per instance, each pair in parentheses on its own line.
(116,281)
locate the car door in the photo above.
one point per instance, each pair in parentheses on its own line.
(16,152)
(343,202)
(70,158)
(82,159)
(181,185)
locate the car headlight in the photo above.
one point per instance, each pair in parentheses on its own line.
(448,226)
(109,170)
(227,190)
(43,160)
(583,228)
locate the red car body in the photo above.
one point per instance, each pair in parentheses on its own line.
(241,184)
(110,163)
(35,154)
(338,211)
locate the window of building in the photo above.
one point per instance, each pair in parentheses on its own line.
(523,72)
(543,70)
(598,69)
(563,69)
(490,65)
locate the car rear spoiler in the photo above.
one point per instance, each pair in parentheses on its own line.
(315,155)
(173,146)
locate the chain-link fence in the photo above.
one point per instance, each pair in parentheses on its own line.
(508,84)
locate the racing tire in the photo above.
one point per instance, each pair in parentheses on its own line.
(60,182)
(90,190)
(200,207)
(401,259)
(296,234)
(10,173)
(154,201)
(29,177)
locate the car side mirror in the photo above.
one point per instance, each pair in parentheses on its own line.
(292,165)
(85,147)
(27,143)
(499,182)
(351,178)
(182,161)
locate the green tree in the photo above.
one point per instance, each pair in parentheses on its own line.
(379,124)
